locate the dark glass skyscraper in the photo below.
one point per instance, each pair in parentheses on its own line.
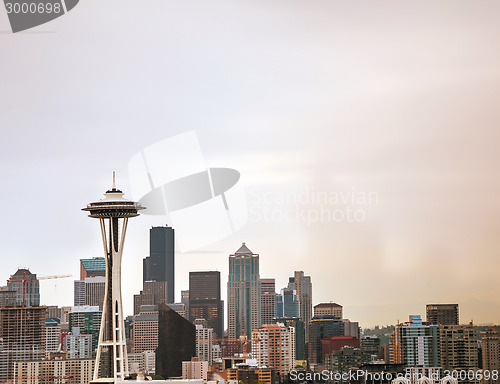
(159,265)
(176,342)
(205,300)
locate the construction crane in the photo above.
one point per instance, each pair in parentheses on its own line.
(28,278)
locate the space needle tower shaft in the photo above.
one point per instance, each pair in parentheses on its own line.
(113,213)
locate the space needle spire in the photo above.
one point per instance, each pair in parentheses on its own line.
(113,213)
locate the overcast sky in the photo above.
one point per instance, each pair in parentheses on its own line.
(394,98)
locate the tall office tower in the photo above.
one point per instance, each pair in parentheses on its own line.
(52,335)
(490,353)
(300,334)
(92,279)
(90,291)
(243,293)
(159,265)
(328,309)
(205,300)
(303,286)
(22,332)
(176,342)
(88,320)
(145,333)
(320,328)
(267,300)
(443,314)
(204,342)
(459,349)
(185,299)
(92,267)
(416,343)
(275,347)
(153,292)
(95,288)
(113,213)
(287,304)
(27,287)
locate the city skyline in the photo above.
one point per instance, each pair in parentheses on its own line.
(365,136)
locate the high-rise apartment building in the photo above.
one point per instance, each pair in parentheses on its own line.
(243,293)
(275,347)
(22,335)
(77,345)
(52,335)
(416,344)
(27,287)
(287,304)
(88,320)
(303,286)
(300,334)
(267,300)
(459,349)
(490,342)
(205,300)
(442,314)
(159,265)
(204,343)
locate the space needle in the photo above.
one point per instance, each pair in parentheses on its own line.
(113,213)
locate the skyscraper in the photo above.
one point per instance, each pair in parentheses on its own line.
(89,290)
(243,293)
(443,314)
(287,304)
(205,300)
(416,343)
(176,342)
(303,286)
(27,287)
(159,265)
(267,300)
